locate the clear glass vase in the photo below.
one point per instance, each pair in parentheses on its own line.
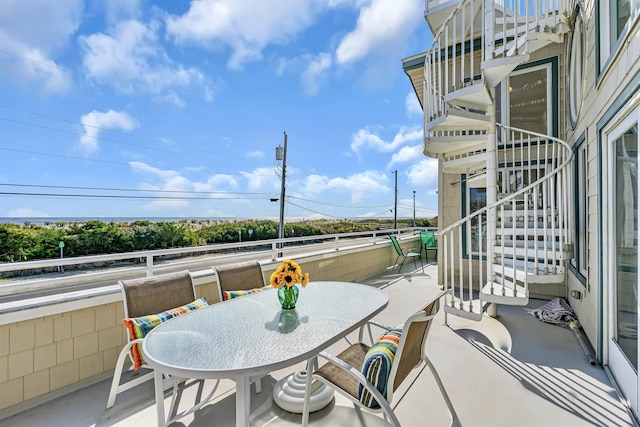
(288,296)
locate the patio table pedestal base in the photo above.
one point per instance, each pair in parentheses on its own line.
(288,393)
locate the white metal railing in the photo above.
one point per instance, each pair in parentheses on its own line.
(503,28)
(512,22)
(112,267)
(447,66)
(518,240)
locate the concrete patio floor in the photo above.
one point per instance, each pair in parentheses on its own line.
(512,370)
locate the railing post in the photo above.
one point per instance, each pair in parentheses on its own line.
(274,248)
(149,265)
(492,179)
(336,240)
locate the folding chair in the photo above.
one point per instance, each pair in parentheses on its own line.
(388,362)
(239,277)
(142,297)
(428,241)
(409,254)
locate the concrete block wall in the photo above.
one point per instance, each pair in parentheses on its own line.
(42,357)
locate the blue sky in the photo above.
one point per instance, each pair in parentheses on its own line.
(174,108)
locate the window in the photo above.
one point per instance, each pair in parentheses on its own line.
(478,200)
(579,261)
(614,19)
(474,193)
(528,94)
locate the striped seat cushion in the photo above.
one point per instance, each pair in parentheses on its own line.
(376,366)
(139,327)
(227,295)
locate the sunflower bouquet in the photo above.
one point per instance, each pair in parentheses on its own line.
(288,274)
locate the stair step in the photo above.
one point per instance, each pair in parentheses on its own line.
(531,266)
(468,312)
(530,276)
(503,291)
(475,96)
(530,253)
(529,232)
(465,164)
(495,70)
(459,120)
(454,142)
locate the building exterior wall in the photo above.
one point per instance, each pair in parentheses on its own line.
(599,92)
(45,356)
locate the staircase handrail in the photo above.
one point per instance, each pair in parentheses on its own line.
(443,26)
(511,196)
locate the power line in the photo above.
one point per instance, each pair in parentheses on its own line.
(100,138)
(116,196)
(124,189)
(311,210)
(102,129)
(336,205)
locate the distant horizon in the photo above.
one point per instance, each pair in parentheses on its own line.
(42,220)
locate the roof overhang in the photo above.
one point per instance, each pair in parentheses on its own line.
(413,67)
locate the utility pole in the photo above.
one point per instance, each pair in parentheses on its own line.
(414,208)
(281,154)
(395,206)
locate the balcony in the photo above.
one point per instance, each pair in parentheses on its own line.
(509,370)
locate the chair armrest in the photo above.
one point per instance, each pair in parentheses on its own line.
(368,327)
(339,363)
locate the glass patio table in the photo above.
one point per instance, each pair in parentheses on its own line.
(246,338)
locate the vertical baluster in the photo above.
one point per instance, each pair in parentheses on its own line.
(445,261)
(453,278)
(472,32)
(546,15)
(470,278)
(460,269)
(554,211)
(446,62)
(482,253)
(438,68)
(454,75)
(462,43)
(516,29)
(545,195)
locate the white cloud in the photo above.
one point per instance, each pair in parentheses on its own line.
(365,139)
(116,10)
(245,26)
(26,212)
(262,179)
(412,105)
(255,154)
(424,175)
(172,180)
(29,57)
(144,168)
(315,73)
(382,27)
(407,154)
(96,121)
(130,58)
(360,186)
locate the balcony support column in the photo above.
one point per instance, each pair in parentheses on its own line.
(492,192)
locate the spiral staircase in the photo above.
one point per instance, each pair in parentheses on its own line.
(523,232)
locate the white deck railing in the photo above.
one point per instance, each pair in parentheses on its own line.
(100,268)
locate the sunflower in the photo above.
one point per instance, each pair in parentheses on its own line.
(288,274)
